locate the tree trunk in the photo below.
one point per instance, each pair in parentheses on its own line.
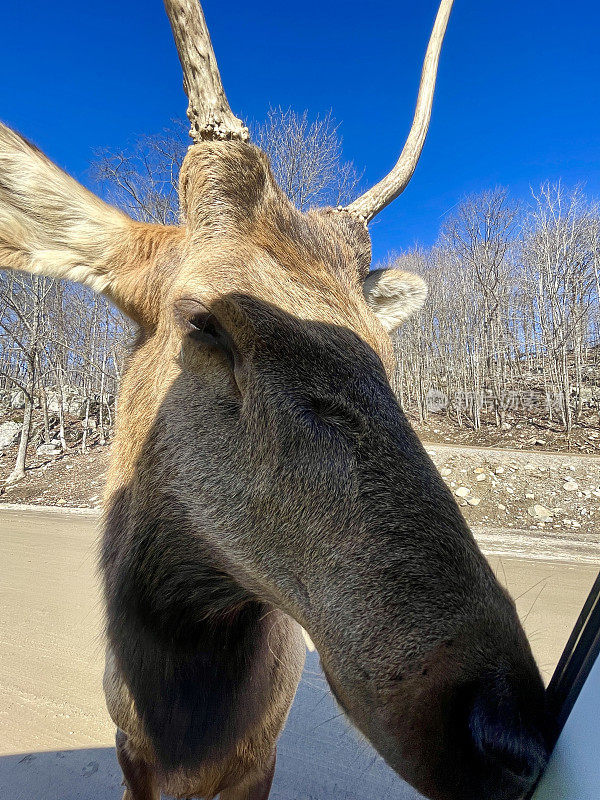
(85,426)
(18,472)
(44,404)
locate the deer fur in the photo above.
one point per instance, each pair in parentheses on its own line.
(265,478)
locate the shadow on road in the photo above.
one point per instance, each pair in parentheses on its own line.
(91,774)
(320,758)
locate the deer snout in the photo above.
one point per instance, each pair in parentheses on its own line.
(481,737)
(508,724)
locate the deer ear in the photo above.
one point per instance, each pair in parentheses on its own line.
(393,295)
(51,225)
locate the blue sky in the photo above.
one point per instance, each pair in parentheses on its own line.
(518,97)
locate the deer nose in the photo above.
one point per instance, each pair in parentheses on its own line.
(507,724)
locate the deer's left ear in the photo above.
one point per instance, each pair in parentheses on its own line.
(51,225)
(393,295)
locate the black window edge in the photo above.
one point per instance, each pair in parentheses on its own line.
(576,661)
(574,666)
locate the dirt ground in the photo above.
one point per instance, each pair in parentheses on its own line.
(550,492)
(73,479)
(519,433)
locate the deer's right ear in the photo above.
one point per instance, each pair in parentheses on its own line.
(51,225)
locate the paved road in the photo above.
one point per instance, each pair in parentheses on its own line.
(55,736)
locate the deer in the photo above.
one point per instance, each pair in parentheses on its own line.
(265,480)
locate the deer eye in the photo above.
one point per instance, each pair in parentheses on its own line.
(337,414)
(203,327)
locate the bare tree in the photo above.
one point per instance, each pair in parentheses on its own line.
(559,252)
(306,158)
(144,179)
(22,323)
(512,320)
(480,236)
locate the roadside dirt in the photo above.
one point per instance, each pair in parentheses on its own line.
(550,492)
(532,434)
(73,479)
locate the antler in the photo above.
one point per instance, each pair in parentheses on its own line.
(208,109)
(397,180)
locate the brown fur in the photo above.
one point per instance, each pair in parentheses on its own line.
(263,477)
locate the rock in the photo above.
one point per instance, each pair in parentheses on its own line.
(473,501)
(506,426)
(17,399)
(478,470)
(481,477)
(53,402)
(570,485)
(9,433)
(462,491)
(445,471)
(51,448)
(72,401)
(499,471)
(76,406)
(539,512)
(501,507)
(61,502)
(529,496)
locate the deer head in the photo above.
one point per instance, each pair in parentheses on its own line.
(257,430)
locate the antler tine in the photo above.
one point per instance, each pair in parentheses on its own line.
(208,109)
(397,180)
